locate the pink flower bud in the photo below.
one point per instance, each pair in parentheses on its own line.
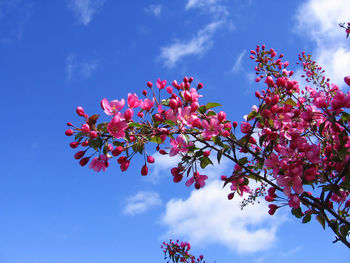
(121,159)
(221,116)
(199,86)
(269,81)
(347,80)
(190,79)
(223,178)
(169,89)
(225,133)
(150,159)
(230,196)
(80,111)
(69,132)
(194,106)
(69,124)
(273,209)
(257,94)
(245,127)
(174,83)
(85,128)
(84,161)
(162,152)
(185,79)
(144,92)
(79,155)
(140,114)
(173,104)
(144,170)
(74,145)
(149,84)
(227,126)
(118,150)
(93,135)
(206,153)
(234,124)
(125,165)
(85,143)
(177,178)
(128,114)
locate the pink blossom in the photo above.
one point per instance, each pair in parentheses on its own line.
(294,201)
(111,108)
(198,179)
(133,100)
(289,182)
(246,127)
(187,116)
(147,104)
(161,84)
(212,128)
(179,145)
(99,163)
(117,126)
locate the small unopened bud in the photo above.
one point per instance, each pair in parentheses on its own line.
(149,84)
(93,135)
(80,111)
(144,170)
(79,155)
(150,159)
(69,132)
(85,128)
(84,161)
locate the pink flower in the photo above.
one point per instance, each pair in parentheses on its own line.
(99,163)
(133,101)
(147,104)
(198,179)
(161,84)
(294,201)
(289,182)
(117,126)
(246,127)
(212,128)
(111,108)
(187,116)
(179,145)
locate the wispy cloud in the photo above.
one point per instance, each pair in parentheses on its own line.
(198,45)
(85,9)
(141,202)
(318,20)
(215,7)
(156,10)
(207,217)
(14,16)
(238,64)
(202,41)
(79,69)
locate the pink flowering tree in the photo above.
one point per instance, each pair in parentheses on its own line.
(295,143)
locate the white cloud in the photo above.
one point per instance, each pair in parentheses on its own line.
(80,69)
(14,16)
(198,45)
(238,64)
(209,6)
(85,9)
(207,217)
(156,10)
(141,202)
(319,19)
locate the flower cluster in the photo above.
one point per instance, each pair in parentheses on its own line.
(179,252)
(295,142)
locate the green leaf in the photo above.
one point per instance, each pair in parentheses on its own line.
(202,109)
(216,140)
(96,143)
(261,139)
(211,113)
(212,105)
(321,127)
(219,155)
(79,135)
(290,102)
(251,115)
(321,220)
(169,122)
(297,212)
(156,139)
(204,161)
(307,218)
(135,124)
(344,230)
(243,161)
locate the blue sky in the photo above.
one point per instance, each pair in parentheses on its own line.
(56,55)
